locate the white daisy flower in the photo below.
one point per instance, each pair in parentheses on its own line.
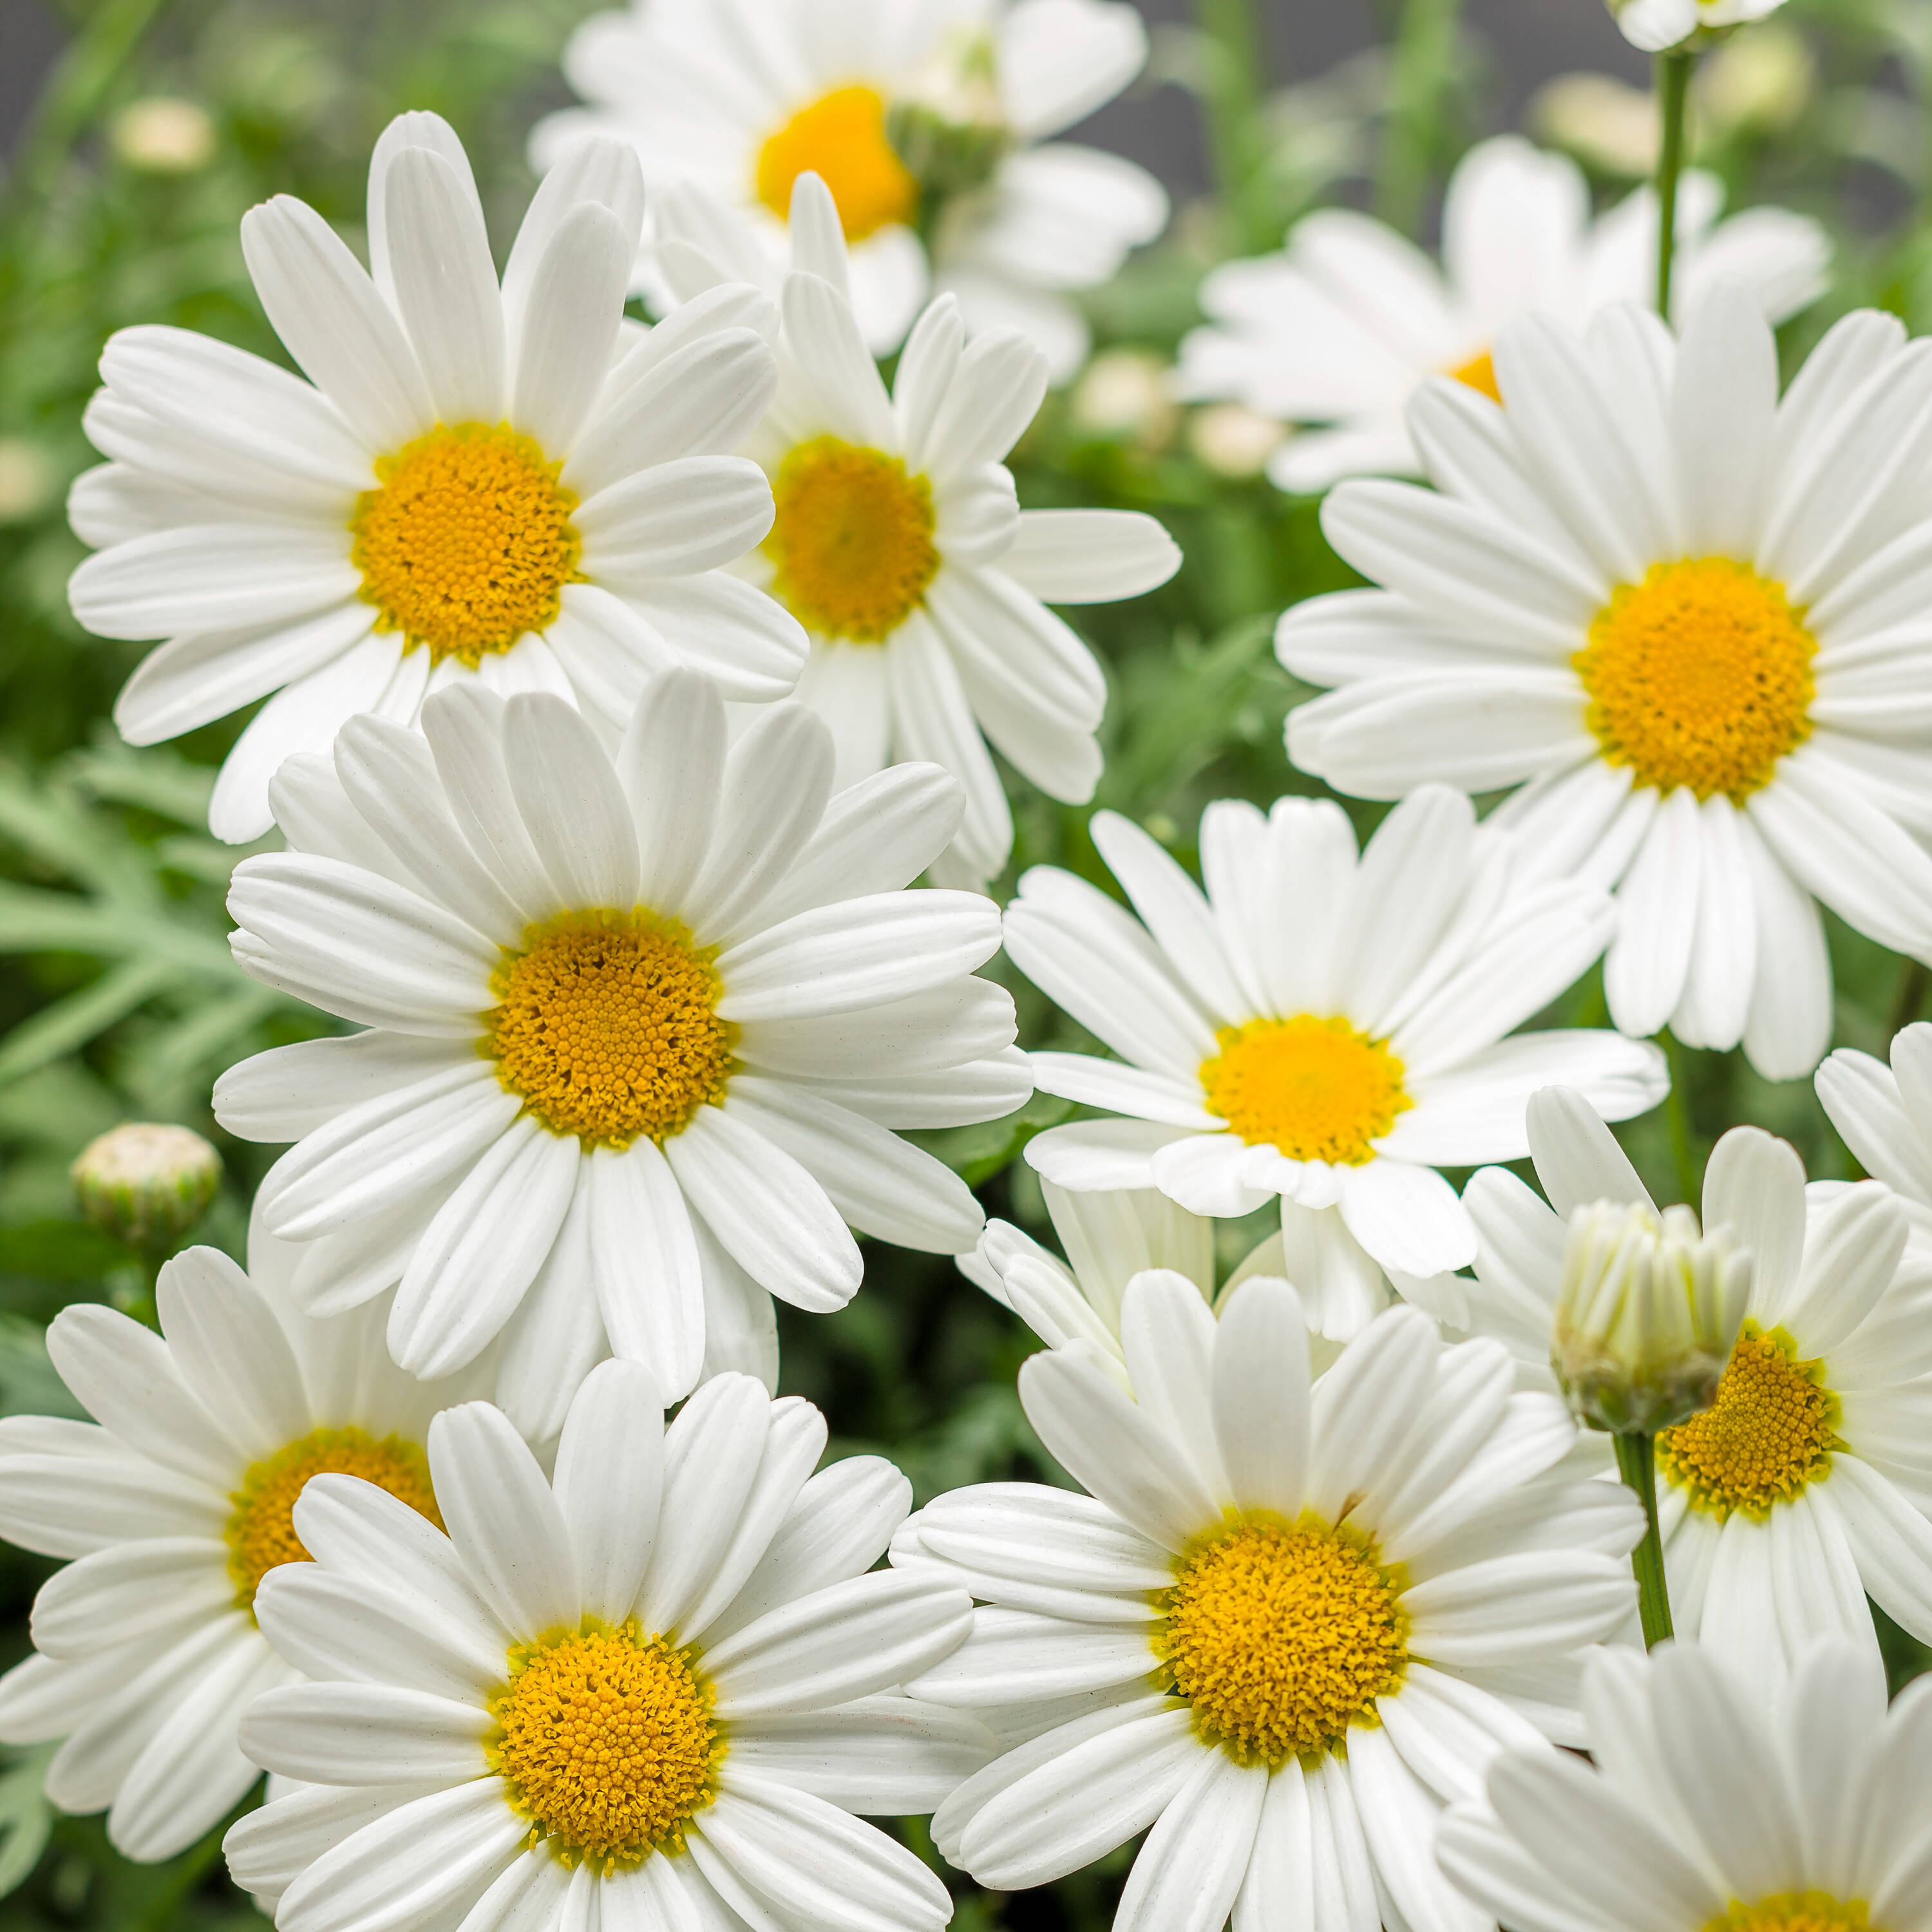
(1342,327)
(930,120)
(1655,24)
(174,1505)
(1325,1026)
(900,546)
(1681,615)
(1806,1487)
(653,1691)
(479,486)
(1711,1803)
(1286,1625)
(639,1031)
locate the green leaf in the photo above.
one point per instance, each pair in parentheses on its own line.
(26,1818)
(60,1251)
(71,1023)
(30,1384)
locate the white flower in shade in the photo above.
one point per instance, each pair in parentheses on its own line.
(1806,1486)
(1715,1802)
(477,486)
(1341,327)
(639,1031)
(175,1504)
(1321,1025)
(1681,619)
(930,123)
(652,1692)
(900,546)
(1285,1626)
(1654,25)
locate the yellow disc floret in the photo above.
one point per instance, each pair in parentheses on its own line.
(841,138)
(261,1533)
(1281,1636)
(605,1743)
(1315,1088)
(1700,676)
(607,1024)
(1796,1911)
(851,540)
(467,542)
(1771,1431)
(1479,373)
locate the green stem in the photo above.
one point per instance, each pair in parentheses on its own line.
(1637,1463)
(1677,1111)
(1673,104)
(1420,72)
(1233,83)
(1908,999)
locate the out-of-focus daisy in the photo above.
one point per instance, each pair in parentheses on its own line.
(1320,1025)
(929,120)
(1683,617)
(1340,328)
(1713,1800)
(1806,1486)
(1285,1626)
(1655,24)
(474,486)
(174,1505)
(653,1691)
(640,1030)
(899,545)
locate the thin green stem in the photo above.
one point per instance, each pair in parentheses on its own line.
(1677,1111)
(1674,70)
(1637,1463)
(1233,82)
(1421,71)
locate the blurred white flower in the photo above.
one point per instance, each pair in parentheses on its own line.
(164,136)
(1655,24)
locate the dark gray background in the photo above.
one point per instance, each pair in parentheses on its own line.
(1527,41)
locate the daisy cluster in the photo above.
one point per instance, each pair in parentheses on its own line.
(1446,1532)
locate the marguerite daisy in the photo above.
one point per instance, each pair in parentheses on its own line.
(1286,1625)
(478,487)
(1339,329)
(1804,1488)
(1655,24)
(900,546)
(1716,1803)
(652,1692)
(1683,617)
(1317,1025)
(640,1029)
(927,121)
(175,1504)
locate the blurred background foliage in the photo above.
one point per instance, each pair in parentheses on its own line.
(161,121)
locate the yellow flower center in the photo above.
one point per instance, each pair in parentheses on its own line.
(606,1743)
(1479,372)
(1700,676)
(607,1024)
(852,540)
(1315,1088)
(1771,1431)
(261,1533)
(1281,1636)
(466,543)
(841,138)
(1796,1911)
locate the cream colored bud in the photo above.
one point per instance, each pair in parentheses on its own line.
(162,135)
(146,1184)
(1123,393)
(1647,1314)
(28,480)
(1233,440)
(1606,123)
(1762,80)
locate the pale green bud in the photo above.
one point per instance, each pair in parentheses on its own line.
(1647,1314)
(146,1184)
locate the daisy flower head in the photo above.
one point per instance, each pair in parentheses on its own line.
(174,1504)
(641,1028)
(1678,618)
(477,483)
(1291,1618)
(1655,24)
(1322,1024)
(899,545)
(1714,1803)
(653,1690)
(1341,327)
(1804,1488)
(930,123)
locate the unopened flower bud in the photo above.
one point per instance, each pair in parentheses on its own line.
(1647,1314)
(162,135)
(146,1184)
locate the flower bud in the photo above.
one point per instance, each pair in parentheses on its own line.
(146,1184)
(1647,1314)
